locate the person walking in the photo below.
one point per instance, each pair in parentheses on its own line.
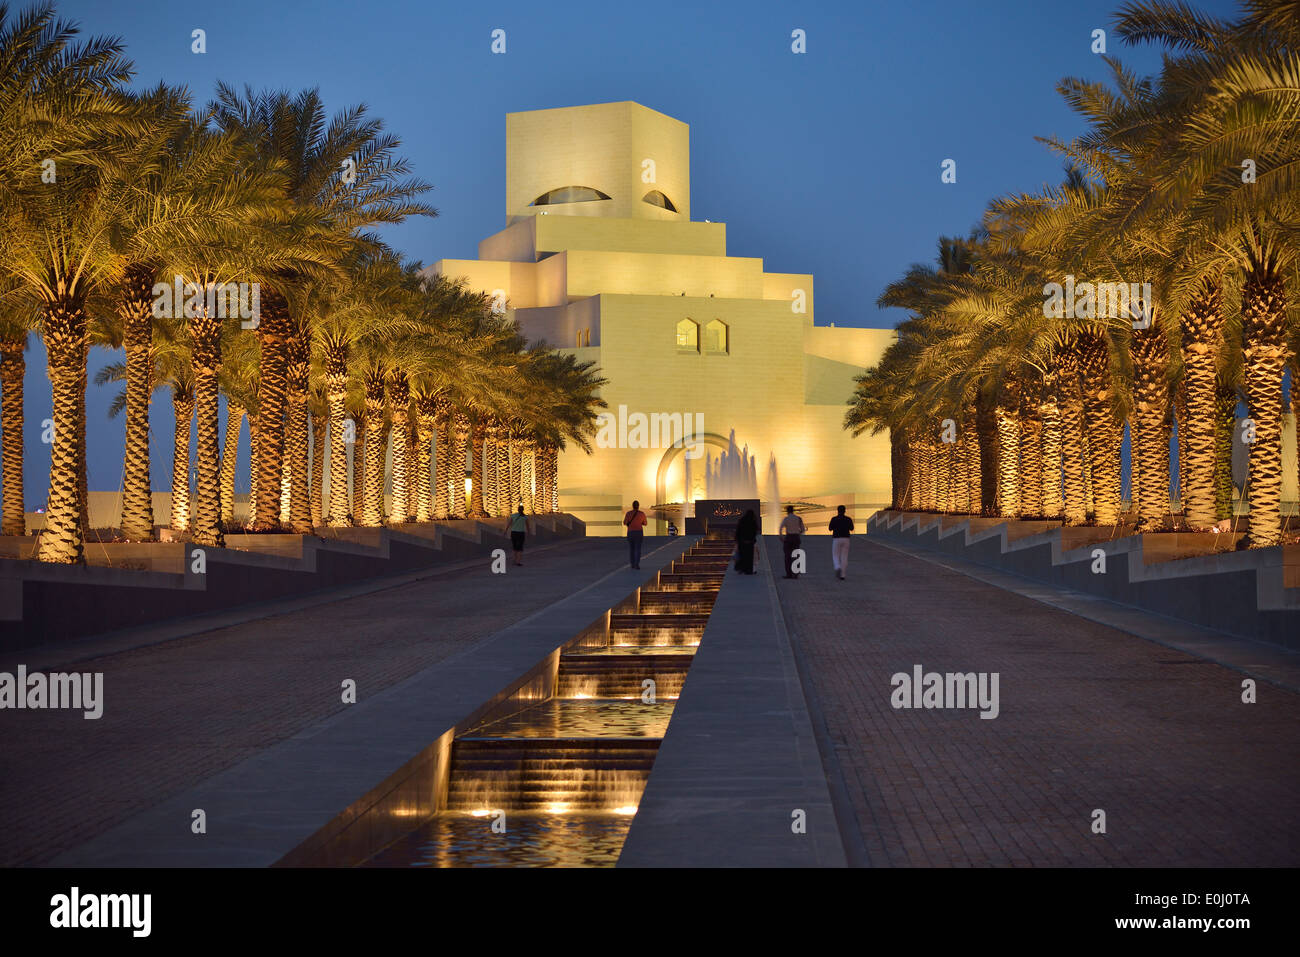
(518,533)
(746,538)
(841,525)
(636,522)
(791,529)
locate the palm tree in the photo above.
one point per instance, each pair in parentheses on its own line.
(345,172)
(1238,94)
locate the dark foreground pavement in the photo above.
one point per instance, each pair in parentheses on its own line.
(1091,719)
(176,713)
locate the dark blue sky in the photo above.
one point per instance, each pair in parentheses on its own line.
(826,162)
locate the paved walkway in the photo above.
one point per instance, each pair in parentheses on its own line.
(1090,718)
(178,712)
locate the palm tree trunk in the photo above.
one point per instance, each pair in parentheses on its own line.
(478,435)
(425,412)
(372,514)
(358,470)
(65,344)
(229,460)
(339,515)
(456,467)
(503,471)
(1264,331)
(1049,411)
(1008,500)
(442,458)
(205,338)
(1225,432)
(299,482)
(1104,434)
(13,367)
(318,426)
(252,467)
(1031,447)
(491,485)
(986,429)
(183,410)
(136,312)
(399,392)
(273,331)
(516,464)
(1073,445)
(1149,449)
(553,468)
(1202,327)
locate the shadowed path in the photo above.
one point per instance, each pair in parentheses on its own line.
(178,712)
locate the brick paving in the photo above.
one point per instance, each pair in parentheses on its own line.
(179,712)
(1090,718)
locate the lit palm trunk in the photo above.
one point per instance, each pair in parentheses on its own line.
(1150,449)
(503,471)
(272,332)
(205,339)
(491,485)
(911,489)
(553,460)
(12,369)
(1031,448)
(1104,433)
(296,439)
(183,410)
(442,457)
(399,393)
(1049,411)
(1264,330)
(516,467)
(1225,431)
(456,471)
(478,436)
(986,429)
(318,424)
(373,453)
(65,343)
(1008,421)
(229,459)
(1074,485)
(136,312)
(252,466)
(358,469)
(974,479)
(1202,328)
(336,394)
(425,410)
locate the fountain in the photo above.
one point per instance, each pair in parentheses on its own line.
(557,782)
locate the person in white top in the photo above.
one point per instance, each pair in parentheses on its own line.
(791,529)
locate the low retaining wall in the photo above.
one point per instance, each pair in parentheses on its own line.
(42,602)
(1241,593)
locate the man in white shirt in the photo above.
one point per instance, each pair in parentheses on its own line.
(791,528)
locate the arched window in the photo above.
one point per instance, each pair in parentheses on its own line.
(569,194)
(716,336)
(656,198)
(688,336)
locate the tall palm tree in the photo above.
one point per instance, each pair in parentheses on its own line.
(345,172)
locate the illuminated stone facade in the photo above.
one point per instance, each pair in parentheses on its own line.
(600,257)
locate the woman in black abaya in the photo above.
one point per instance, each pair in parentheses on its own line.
(746,537)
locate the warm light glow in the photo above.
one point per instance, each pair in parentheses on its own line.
(629,809)
(558,808)
(482,813)
(469,485)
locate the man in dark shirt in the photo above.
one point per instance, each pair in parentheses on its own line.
(841,525)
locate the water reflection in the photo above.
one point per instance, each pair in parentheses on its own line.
(529,840)
(582,718)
